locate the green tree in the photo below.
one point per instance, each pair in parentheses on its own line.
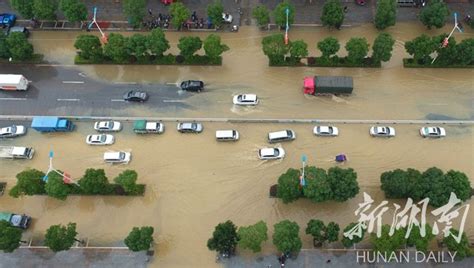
(357,49)
(45,9)
(59,237)
(458,183)
(10,237)
(317,186)
(279,14)
(421,47)
(289,186)
(446,55)
(188,45)
(214,11)
(24,7)
(136,45)
(90,46)
(140,238)
(135,11)
(115,48)
(383,46)
(343,183)
(420,242)
(332,232)
(19,47)
(388,243)
(328,47)
(262,15)
(127,180)
(55,187)
(4,48)
(386,14)
(74,10)
(465,51)
(94,181)
(395,184)
(348,241)
(462,248)
(252,237)
(298,50)
(224,238)
(286,236)
(213,47)
(317,230)
(179,13)
(332,15)
(274,48)
(156,42)
(29,182)
(434,14)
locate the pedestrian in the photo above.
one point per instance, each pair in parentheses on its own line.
(345,9)
(149,12)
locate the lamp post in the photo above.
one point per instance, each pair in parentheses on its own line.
(302,180)
(287,25)
(66,177)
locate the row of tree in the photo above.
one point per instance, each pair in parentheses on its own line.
(226,237)
(336,184)
(145,48)
(279,53)
(16,47)
(433,184)
(423,47)
(94,182)
(62,237)
(73,10)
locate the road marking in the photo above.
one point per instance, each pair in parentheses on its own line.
(13,98)
(73,82)
(125,83)
(117,100)
(174,101)
(173,84)
(68,99)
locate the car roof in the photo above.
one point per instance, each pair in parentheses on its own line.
(252,97)
(108,155)
(267,151)
(279,134)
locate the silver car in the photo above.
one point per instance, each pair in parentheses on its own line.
(12,131)
(189,127)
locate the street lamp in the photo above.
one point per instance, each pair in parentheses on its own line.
(287,26)
(66,178)
(302,180)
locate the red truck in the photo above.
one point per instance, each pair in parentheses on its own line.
(328,85)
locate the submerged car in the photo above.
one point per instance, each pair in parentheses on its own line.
(135,95)
(12,131)
(382,131)
(227,18)
(192,85)
(108,126)
(432,132)
(329,131)
(271,153)
(189,127)
(100,139)
(245,99)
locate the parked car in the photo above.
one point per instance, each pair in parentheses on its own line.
(12,131)
(227,18)
(100,139)
(7,20)
(147,127)
(108,126)
(135,95)
(19,29)
(382,131)
(245,99)
(192,85)
(117,157)
(282,135)
(432,132)
(325,131)
(271,153)
(189,127)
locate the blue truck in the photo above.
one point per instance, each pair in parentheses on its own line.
(7,20)
(51,124)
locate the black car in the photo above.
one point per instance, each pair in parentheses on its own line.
(192,85)
(134,95)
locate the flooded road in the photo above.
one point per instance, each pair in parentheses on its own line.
(194,182)
(391,92)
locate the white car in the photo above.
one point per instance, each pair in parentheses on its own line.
(245,99)
(271,153)
(189,127)
(382,131)
(325,131)
(432,132)
(227,18)
(117,157)
(108,126)
(100,139)
(12,131)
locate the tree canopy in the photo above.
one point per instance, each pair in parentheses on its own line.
(332,14)
(188,45)
(24,7)
(94,181)
(213,47)
(382,47)
(214,11)
(298,50)
(343,183)
(224,238)
(89,45)
(10,237)
(348,242)
(45,9)
(136,45)
(286,236)
(140,238)
(156,42)
(388,243)
(29,182)
(60,237)
(19,47)
(421,47)
(252,237)
(434,14)
(135,11)
(55,187)
(357,49)
(74,10)
(462,248)
(416,239)
(386,14)
(179,14)
(328,46)
(116,48)
(127,179)
(261,14)
(274,48)
(318,188)
(279,13)
(289,186)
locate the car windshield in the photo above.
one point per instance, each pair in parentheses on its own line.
(276,152)
(122,155)
(193,125)
(109,124)
(103,138)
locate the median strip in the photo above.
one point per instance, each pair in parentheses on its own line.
(73,82)
(68,99)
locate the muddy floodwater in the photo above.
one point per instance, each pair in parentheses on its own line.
(391,92)
(194,182)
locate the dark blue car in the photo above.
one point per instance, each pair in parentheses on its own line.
(7,20)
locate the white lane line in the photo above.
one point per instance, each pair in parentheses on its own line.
(174,101)
(125,83)
(173,84)
(13,98)
(117,100)
(73,82)
(68,99)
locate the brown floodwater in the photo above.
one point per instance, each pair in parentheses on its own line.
(391,92)
(194,182)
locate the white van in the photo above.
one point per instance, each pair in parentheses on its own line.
(284,135)
(227,135)
(117,157)
(13,82)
